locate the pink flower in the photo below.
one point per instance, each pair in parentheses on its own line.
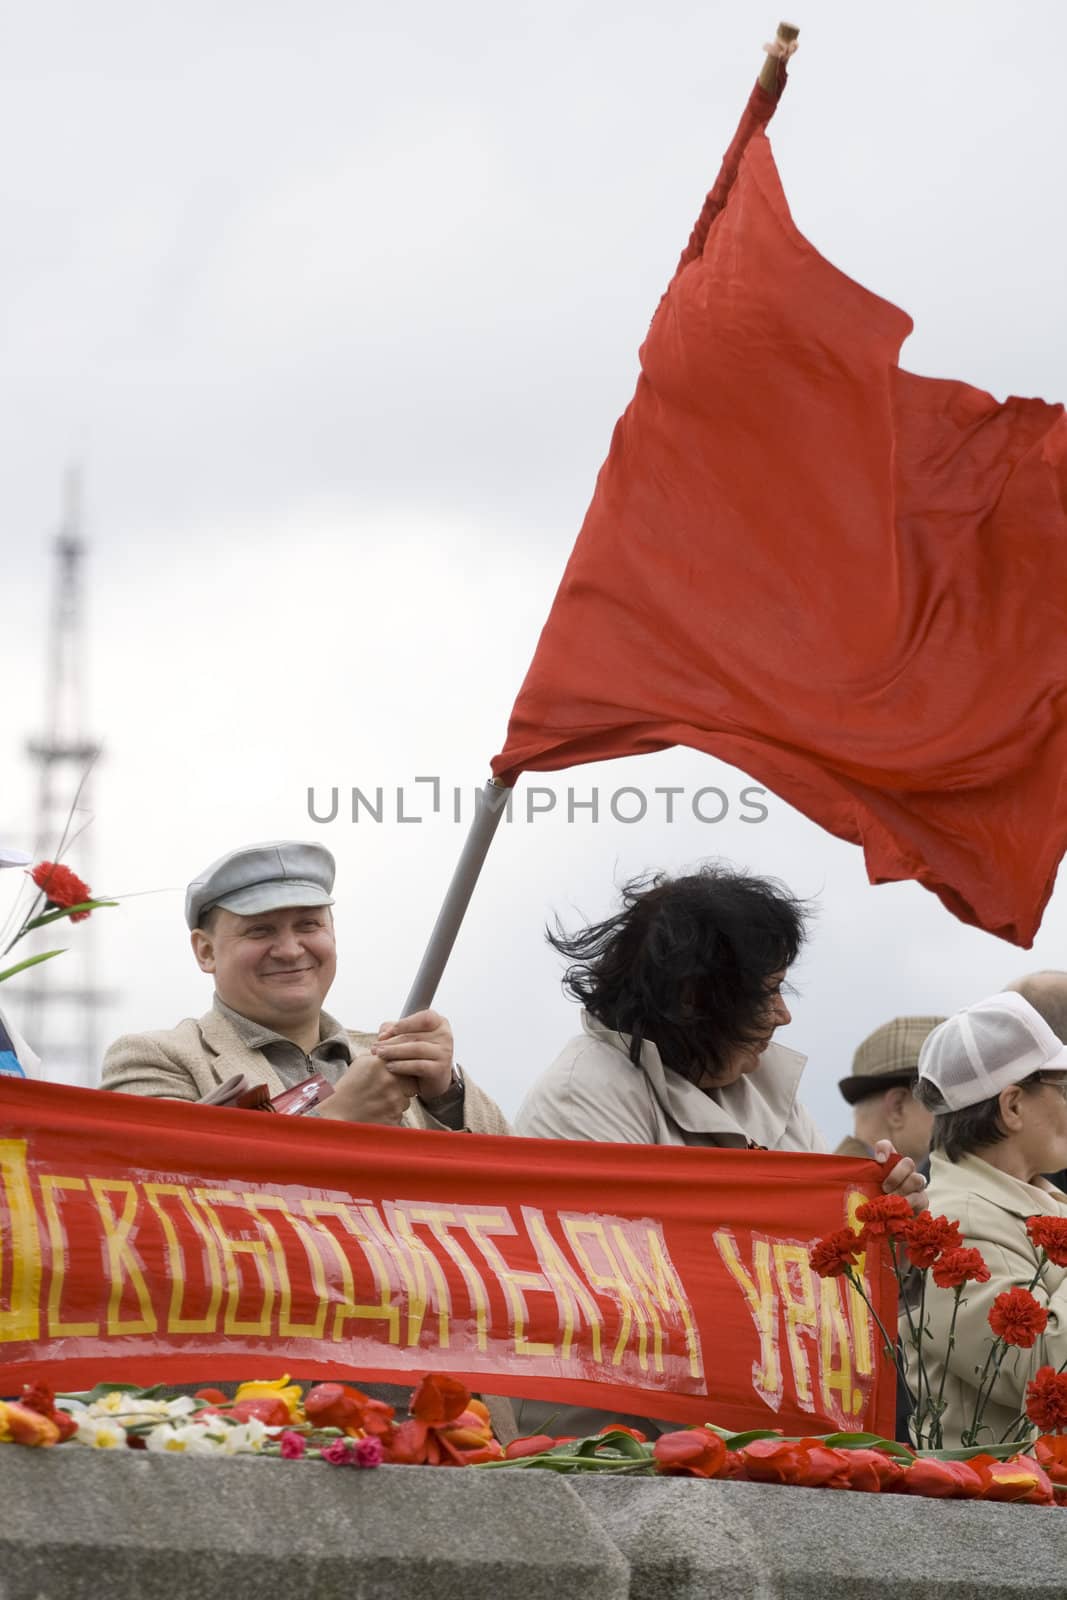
(293,1445)
(338,1453)
(369,1453)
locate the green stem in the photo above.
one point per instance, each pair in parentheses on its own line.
(939,1406)
(1000,1347)
(891,1346)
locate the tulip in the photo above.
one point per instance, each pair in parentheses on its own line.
(20,1425)
(692,1453)
(944,1480)
(1021,1478)
(280,1389)
(534,1444)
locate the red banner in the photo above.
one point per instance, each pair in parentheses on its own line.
(149,1240)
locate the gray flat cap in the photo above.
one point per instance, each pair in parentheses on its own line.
(263,877)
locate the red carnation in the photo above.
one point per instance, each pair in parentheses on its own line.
(957,1267)
(1050,1235)
(928,1237)
(1017,1318)
(883,1217)
(834,1256)
(62,888)
(1046,1400)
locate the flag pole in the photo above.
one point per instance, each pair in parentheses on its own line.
(786,35)
(494,797)
(491,805)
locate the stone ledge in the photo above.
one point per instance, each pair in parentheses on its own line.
(80,1524)
(688,1540)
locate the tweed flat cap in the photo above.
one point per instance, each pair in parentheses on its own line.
(263,877)
(887,1057)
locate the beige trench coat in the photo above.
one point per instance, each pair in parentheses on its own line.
(593,1091)
(991,1208)
(187,1062)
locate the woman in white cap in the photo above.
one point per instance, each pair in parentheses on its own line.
(995,1077)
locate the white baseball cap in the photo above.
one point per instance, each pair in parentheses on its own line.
(988,1047)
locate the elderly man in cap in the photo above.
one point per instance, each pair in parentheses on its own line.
(884,1071)
(261,925)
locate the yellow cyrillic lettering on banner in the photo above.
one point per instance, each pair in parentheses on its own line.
(571,1294)
(512,1281)
(796,1284)
(231,1249)
(257,1204)
(834,1333)
(762,1300)
(407,1265)
(347,1308)
(57,1237)
(661,1290)
(20,1244)
(121,1257)
(425,1262)
(858,1312)
(613,1282)
(439,1219)
(176,1323)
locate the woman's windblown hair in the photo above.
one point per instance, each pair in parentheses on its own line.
(686,964)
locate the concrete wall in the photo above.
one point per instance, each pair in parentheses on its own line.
(76,1524)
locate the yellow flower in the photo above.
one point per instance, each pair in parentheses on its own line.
(290,1394)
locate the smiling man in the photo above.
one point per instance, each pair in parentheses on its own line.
(261,925)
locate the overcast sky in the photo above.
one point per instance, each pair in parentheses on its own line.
(337,308)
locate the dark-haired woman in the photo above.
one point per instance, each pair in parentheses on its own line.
(682,994)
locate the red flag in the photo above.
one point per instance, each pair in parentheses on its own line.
(846,580)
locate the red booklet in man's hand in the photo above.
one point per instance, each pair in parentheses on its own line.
(240,1093)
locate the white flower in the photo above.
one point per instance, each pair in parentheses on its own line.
(241,1437)
(111,1405)
(191,1440)
(101,1433)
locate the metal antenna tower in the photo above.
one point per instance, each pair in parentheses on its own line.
(61,999)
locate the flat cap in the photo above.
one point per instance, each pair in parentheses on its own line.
(263,877)
(887,1057)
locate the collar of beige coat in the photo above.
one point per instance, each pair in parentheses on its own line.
(956,1182)
(756,1107)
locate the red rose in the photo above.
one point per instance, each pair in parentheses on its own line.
(61,887)
(1046,1400)
(1051,1454)
(957,1267)
(1017,1318)
(928,1237)
(884,1217)
(944,1480)
(835,1255)
(1050,1235)
(1021,1478)
(694,1453)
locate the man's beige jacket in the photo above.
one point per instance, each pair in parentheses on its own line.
(593,1091)
(189,1061)
(991,1209)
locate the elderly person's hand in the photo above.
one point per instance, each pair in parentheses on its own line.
(419,1047)
(902,1178)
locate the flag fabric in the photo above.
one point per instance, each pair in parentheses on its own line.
(150,1241)
(846,580)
